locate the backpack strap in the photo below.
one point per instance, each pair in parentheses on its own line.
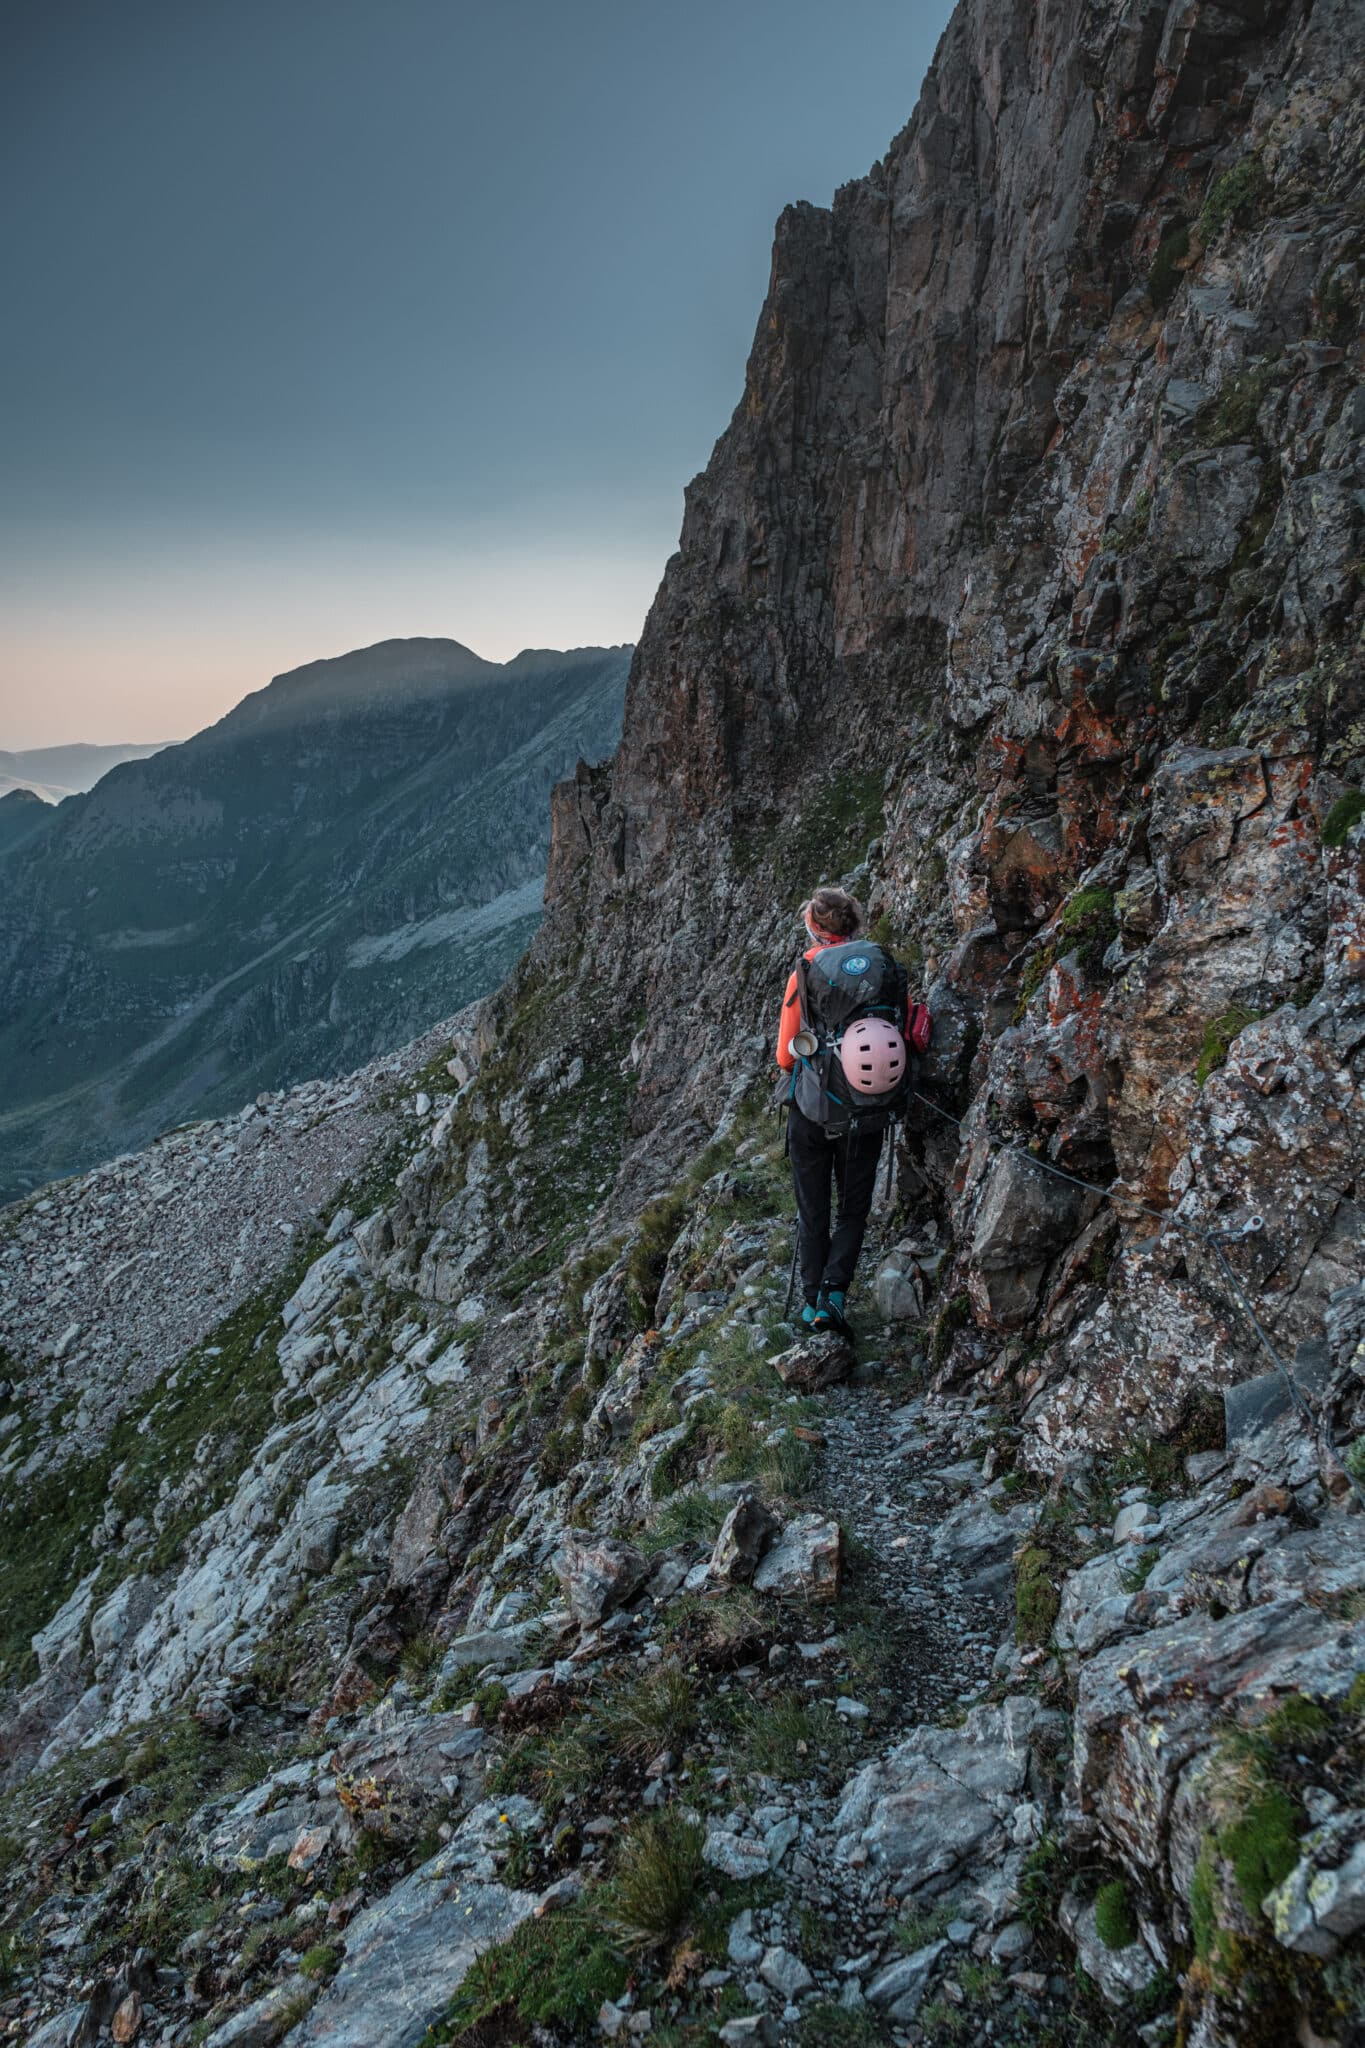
(802,993)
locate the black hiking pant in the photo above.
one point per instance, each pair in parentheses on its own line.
(828,1259)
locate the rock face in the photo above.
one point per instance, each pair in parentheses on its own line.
(1043,500)
(349,853)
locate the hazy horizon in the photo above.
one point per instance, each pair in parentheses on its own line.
(335,324)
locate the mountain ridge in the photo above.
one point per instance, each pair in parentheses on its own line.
(192,917)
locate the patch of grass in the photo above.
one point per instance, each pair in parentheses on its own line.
(685,1518)
(559,1453)
(918,1930)
(952,1317)
(1036,1597)
(1114,1921)
(1232,416)
(1345,814)
(1088,924)
(321,1960)
(1131,530)
(656,1712)
(940,2021)
(1165,274)
(827,2025)
(832,830)
(1139,1571)
(1235,195)
(552,1972)
(657,1877)
(1297,1723)
(1042,1881)
(782,1738)
(1219,1034)
(1037,968)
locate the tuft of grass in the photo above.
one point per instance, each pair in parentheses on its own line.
(657,1712)
(658,1876)
(918,1930)
(660,1223)
(321,1960)
(1345,814)
(782,1738)
(1233,415)
(1262,1843)
(952,1317)
(1139,1571)
(1114,1921)
(827,2025)
(1041,1883)
(421,1654)
(1036,1598)
(1235,195)
(1088,924)
(1219,1034)
(685,1518)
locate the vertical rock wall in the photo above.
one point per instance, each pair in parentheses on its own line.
(1033,549)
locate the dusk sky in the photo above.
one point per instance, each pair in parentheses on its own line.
(327,321)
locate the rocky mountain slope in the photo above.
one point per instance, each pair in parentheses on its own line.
(56,772)
(496,1629)
(349,853)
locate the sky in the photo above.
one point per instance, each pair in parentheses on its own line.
(326,322)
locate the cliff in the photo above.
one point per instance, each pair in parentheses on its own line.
(494,1624)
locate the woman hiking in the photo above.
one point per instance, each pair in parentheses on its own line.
(842,1038)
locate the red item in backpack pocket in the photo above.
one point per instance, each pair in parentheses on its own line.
(920,1027)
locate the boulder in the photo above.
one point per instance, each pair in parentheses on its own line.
(506,1649)
(1121,1973)
(979,1536)
(1023,1219)
(899,1988)
(814,1363)
(898,1289)
(1147,1706)
(785,1973)
(598,1576)
(805,1562)
(1322,1901)
(407,1955)
(944,1800)
(745,1534)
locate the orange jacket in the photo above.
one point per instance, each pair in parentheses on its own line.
(789,1023)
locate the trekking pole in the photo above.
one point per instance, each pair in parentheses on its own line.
(791,1278)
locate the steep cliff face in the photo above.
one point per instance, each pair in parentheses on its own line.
(1033,550)
(1023,594)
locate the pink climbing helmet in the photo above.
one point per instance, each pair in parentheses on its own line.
(872,1055)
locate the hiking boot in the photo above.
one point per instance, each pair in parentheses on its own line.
(829,1312)
(807,1317)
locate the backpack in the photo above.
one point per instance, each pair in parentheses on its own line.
(835,988)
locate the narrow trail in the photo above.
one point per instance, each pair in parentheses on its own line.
(891,1473)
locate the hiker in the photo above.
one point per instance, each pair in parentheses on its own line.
(843,1039)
